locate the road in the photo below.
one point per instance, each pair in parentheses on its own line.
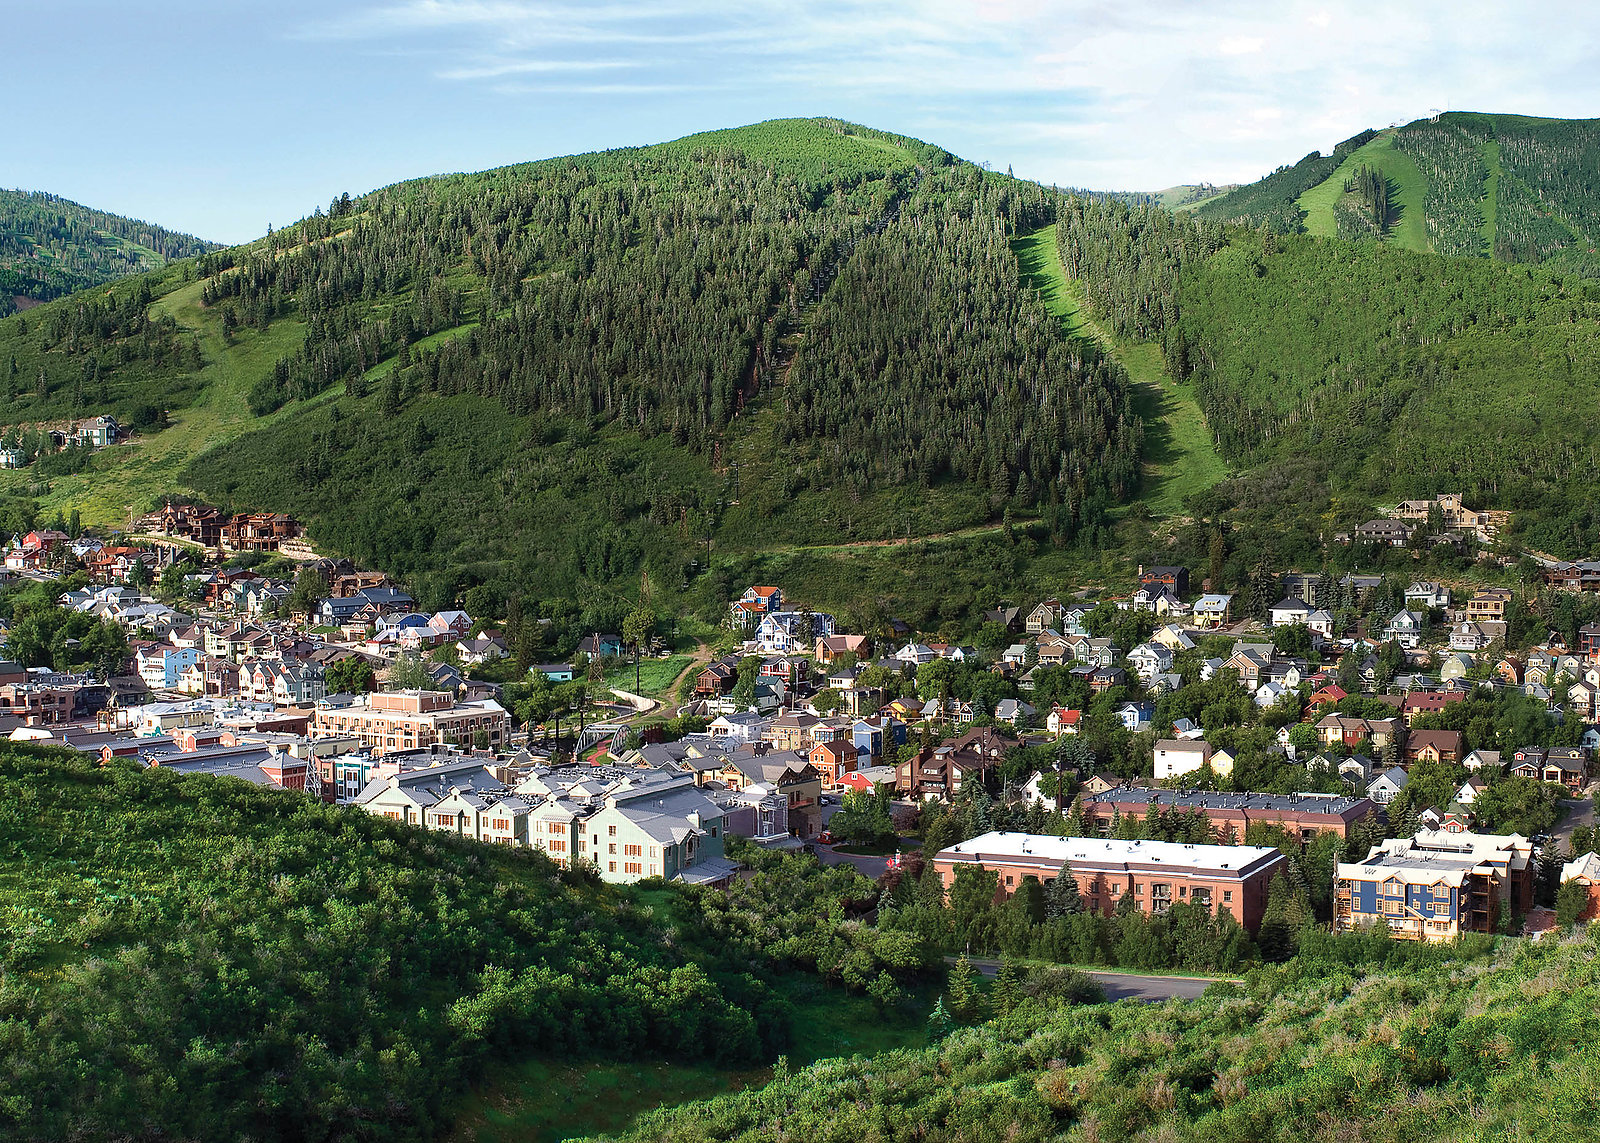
(1128,985)
(1580,812)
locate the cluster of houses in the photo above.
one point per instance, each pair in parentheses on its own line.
(219,531)
(96,432)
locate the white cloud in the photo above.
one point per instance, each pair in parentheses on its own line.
(1087,92)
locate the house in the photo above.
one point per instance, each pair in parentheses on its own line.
(1433,746)
(717,678)
(1426,594)
(1320,622)
(1175,757)
(1565,766)
(833,760)
(746,611)
(937,773)
(482,649)
(780,632)
(1356,769)
(1061,721)
(1213,610)
(868,779)
(1387,786)
(1104,678)
(1405,629)
(1585,871)
(1150,660)
(1135,716)
(1013,712)
(1482,760)
(1155,875)
(600,645)
(1008,617)
(1469,791)
(1337,729)
(1454,667)
(1394,533)
(1288,612)
(1489,604)
(830,647)
(1427,702)
(915,654)
(1175,579)
(1045,617)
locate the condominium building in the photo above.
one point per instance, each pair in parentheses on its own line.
(1436,885)
(412,720)
(1157,874)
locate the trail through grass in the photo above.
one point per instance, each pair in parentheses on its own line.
(137,474)
(1411,230)
(1180,457)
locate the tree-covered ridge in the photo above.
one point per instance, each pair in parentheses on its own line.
(1271,202)
(657,293)
(51,247)
(924,363)
(195,957)
(1510,187)
(1440,1045)
(1408,374)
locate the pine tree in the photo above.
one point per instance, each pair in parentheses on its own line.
(939,1023)
(1007,990)
(1061,895)
(962,989)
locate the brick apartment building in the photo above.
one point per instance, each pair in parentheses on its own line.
(1306,814)
(1157,874)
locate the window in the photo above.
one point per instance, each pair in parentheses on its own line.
(653,851)
(1227,896)
(611,831)
(1010,879)
(613,847)
(632,867)
(558,847)
(633,850)
(613,866)
(500,823)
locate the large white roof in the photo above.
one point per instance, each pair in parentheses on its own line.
(1101,851)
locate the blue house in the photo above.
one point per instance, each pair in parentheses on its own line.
(555,672)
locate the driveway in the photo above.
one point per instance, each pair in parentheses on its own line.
(1128,985)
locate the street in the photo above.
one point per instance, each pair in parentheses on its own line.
(1580,812)
(1126,985)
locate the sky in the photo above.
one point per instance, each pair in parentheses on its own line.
(221,117)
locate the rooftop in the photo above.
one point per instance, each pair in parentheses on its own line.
(1100,852)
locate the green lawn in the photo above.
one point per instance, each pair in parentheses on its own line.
(656,676)
(1411,230)
(1180,457)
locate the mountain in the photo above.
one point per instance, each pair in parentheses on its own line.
(1510,187)
(51,247)
(797,334)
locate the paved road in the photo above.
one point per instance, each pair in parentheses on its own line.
(1127,985)
(1580,812)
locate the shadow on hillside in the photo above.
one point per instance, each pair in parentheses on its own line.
(1154,404)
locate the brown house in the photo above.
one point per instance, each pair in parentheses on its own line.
(1433,746)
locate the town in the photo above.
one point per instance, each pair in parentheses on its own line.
(1376,750)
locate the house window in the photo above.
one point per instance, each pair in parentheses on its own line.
(613,847)
(632,867)
(558,847)
(612,867)
(500,823)
(653,851)
(611,831)
(1227,896)
(633,850)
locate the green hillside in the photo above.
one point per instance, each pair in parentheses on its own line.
(1442,1047)
(1510,187)
(776,335)
(194,957)
(51,247)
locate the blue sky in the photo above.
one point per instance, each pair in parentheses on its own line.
(222,116)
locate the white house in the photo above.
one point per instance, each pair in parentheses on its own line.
(783,631)
(916,653)
(1425,594)
(1287,612)
(1063,721)
(1174,758)
(1405,629)
(1150,660)
(1387,786)
(1320,622)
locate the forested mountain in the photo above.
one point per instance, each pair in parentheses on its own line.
(562,373)
(51,247)
(1510,187)
(1359,370)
